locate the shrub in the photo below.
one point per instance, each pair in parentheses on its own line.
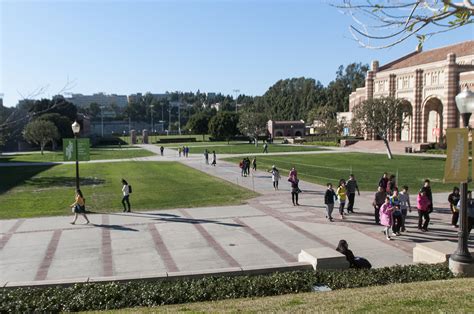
(103,296)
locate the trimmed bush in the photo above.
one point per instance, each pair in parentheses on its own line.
(82,297)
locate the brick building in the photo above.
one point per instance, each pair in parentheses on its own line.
(286,128)
(428,82)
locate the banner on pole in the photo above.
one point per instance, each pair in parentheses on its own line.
(457,156)
(69,149)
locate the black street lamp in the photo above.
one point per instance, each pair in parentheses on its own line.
(465,104)
(76,128)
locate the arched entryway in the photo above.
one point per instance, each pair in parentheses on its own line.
(432,120)
(407,122)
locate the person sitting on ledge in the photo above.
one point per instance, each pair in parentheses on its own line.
(354,262)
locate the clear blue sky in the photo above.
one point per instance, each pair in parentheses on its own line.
(126,47)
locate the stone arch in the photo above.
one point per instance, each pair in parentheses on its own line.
(432,120)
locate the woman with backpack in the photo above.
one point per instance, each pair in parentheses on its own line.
(79,207)
(126,190)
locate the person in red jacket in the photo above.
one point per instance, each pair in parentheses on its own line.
(423,205)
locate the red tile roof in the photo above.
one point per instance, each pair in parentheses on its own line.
(423,57)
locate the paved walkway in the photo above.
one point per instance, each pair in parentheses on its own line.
(268,230)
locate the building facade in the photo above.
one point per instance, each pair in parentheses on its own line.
(286,128)
(102,99)
(428,83)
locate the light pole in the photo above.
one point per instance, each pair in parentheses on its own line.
(151,108)
(76,128)
(465,104)
(102,119)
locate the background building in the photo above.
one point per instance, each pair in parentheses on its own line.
(428,82)
(102,99)
(286,128)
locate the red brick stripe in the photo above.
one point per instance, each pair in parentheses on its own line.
(161,249)
(107,262)
(43,269)
(6,237)
(287,257)
(212,242)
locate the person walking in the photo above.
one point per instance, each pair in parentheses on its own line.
(396,213)
(453,200)
(254,164)
(386,217)
(427,189)
(265,148)
(379,199)
(79,207)
(162,149)
(383,182)
(295,190)
(275,177)
(351,187)
(126,195)
(206,156)
(423,205)
(470,211)
(293,175)
(405,206)
(214,158)
(179,151)
(341,193)
(392,184)
(329,198)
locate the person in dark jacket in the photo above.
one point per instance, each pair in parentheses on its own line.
(427,190)
(354,262)
(453,200)
(351,187)
(383,182)
(329,198)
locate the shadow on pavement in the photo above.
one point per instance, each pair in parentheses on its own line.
(114,227)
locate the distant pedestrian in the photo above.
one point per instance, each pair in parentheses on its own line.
(391,185)
(246,166)
(275,177)
(79,207)
(126,195)
(293,175)
(379,199)
(341,193)
(383,182)
(423,205)
(453,200)
(206,156)
(162,150)
(187,151)
(405,205)
(179,151)
(351,187)
(265,148)
(470,211)
(214,158)
(396,213)
(295,190)
(254,163)
(241,166)
(386,217)
(329,198)
(354,262)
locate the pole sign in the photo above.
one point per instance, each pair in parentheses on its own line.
(69,149)
(457,156)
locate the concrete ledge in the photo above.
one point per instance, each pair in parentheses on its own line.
(461,269)
(127,278)
(46,283)
(323,258)
(433,252)
(195,274)
(260,270)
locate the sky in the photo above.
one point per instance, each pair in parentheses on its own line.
(125,47)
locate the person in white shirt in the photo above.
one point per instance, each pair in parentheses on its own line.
(275,177)
(126,195)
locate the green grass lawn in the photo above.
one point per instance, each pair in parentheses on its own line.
(95,154)
(368,168)
(245,148)
(444,296)
(49,190)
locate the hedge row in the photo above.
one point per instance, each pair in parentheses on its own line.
(82,297)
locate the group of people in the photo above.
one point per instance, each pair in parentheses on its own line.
(183,150)
(79,205)
(454,200)
(345,192)
(206,157)
(245,165)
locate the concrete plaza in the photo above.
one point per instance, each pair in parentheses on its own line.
(266,231)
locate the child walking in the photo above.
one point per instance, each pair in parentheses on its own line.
(396,213)
(404,199)
(386,217)
(329,198)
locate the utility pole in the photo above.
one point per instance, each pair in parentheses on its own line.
(102,119)
(236,92)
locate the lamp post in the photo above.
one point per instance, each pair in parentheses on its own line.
(152,127)
(76,128)
(102,120)
(465,104)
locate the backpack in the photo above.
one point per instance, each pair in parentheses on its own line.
(129,189)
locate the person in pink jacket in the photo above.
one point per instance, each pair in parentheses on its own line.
(423,205)
(386,217)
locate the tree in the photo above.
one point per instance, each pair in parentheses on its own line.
(253,124)
(62,123)
(224,125)
(40,132)
(380,116)
(391,22)
(198,124)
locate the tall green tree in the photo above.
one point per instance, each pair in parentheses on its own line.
(199,124)
(380,116)
(40,132)
(253,124)
(224,125)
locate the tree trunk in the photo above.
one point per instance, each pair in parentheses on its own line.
(389,152)
(42,147)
